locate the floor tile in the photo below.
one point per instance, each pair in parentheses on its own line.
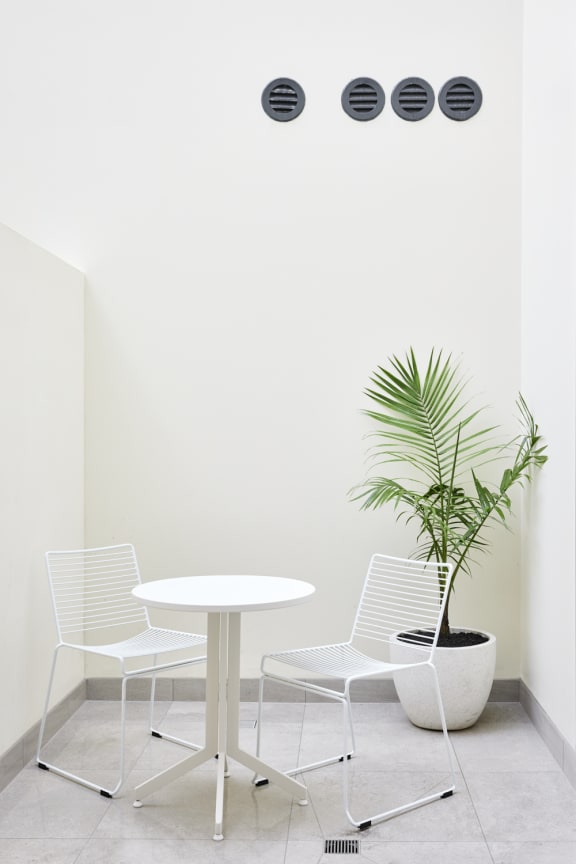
(394,745)
(274,712)
(524,806)
(136,711)
(159,753)
(533,853)
(40,804)
(94,745)
(311,852)
(505,747)
(451,819)
(425,853)
(185,809)
(188,711)
(280,744)
(501,713)
(172,851)
(362,712)
(498,815)
(40,851)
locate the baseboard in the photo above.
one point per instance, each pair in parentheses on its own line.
(20,754)
(560,748)
(192,689)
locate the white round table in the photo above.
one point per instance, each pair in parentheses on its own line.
(223,598)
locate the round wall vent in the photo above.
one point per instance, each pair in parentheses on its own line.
(283,99)
(363,99)
(413,99)
(460,98)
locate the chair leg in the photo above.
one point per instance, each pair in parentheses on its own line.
(46,706)
(444,727)
(49,766)
(348,711)
(120,783)
(106,793)
(259,716)
(342,757)
(152,698)
(419,802)
(165,736)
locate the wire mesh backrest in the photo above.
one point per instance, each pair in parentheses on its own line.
(402,596)
(92,589)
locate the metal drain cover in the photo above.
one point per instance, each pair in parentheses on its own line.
(341,847)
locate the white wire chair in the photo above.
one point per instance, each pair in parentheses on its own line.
(92,599)
(401,602)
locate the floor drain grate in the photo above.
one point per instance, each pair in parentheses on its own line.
(341,847)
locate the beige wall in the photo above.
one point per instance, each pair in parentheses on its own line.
(264,271)
(244,277)
(41,465)
(549,355)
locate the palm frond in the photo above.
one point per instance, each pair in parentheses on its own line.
(426,427)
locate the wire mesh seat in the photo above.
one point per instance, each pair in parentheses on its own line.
(92,601)
(402,602)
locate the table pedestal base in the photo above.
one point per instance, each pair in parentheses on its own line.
(222,722)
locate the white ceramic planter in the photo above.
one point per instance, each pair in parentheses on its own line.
(465,676)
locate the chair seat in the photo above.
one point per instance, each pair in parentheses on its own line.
(339,661)
(154,640)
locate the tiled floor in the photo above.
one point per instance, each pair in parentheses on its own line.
(512,805)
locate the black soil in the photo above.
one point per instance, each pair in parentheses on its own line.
(456,639)
(462,639)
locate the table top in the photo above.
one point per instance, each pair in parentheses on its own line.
(224,593)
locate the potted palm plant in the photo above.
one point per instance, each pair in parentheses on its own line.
(429,433)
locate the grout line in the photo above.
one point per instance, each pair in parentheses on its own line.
(78,858)
(465,784)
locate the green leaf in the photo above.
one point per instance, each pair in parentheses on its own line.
(433,445)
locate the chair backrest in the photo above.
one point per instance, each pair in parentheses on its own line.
(403,596)
(92,590)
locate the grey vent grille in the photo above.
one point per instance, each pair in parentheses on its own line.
(363,99)
(341,847)
(283,99)
(460,98)
(413,99)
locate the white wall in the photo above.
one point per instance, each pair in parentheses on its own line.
(41,465)
(272,266)
(548,366)
(245,276)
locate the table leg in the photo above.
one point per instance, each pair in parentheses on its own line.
(222,722)
(222,725)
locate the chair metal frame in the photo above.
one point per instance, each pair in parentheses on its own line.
(92,594)
(400,596)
